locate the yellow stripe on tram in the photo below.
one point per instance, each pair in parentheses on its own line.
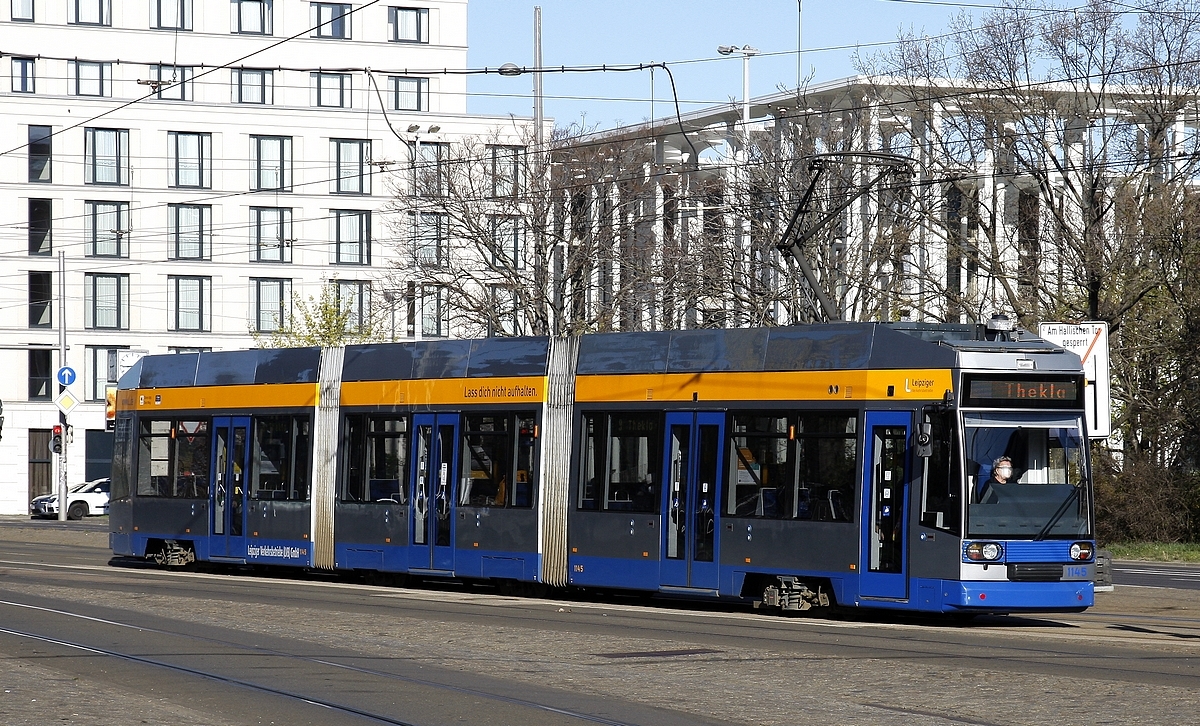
(902,385)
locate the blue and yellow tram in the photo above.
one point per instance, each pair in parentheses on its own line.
(906,466)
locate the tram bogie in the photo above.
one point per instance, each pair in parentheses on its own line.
(930,468)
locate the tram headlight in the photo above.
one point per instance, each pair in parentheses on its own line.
(1081,551)
(984,551)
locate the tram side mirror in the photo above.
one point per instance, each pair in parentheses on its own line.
(925,440)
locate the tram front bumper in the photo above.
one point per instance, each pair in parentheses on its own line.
(1017,596)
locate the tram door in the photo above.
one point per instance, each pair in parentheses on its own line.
(885,491)
(435,469)
(227,491)
(691,520)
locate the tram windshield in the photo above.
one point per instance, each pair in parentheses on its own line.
(1027,476)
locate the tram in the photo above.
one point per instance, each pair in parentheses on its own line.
(849,464)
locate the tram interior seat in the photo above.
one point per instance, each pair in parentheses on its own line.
(837,506)
(620,500)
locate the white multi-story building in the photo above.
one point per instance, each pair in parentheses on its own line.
(199,163)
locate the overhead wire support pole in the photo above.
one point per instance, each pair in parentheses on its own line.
(538,120)
(62,362)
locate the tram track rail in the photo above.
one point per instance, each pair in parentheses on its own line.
(1045,649)
(276,653)
(913,637)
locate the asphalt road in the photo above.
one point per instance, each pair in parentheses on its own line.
(1154,574)
(83,642)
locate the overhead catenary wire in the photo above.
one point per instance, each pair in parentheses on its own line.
(604,67)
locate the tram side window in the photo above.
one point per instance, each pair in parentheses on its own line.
(622,462)
(279,462)
(122,458)
(376,459)
(487,458)
(762,478)
(941,502)
(173,457)
(497,466)
(827,449)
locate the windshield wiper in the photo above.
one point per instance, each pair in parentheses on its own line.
(1062,509)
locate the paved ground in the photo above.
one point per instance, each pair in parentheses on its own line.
(463,656)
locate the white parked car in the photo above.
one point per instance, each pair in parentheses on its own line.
(87,498)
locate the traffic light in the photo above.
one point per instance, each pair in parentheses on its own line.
(56,440)
(70,434)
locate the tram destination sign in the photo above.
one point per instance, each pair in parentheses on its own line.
(1023,391)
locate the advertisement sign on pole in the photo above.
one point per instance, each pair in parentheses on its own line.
(1089,341)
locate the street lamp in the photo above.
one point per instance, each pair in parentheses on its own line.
(746,52)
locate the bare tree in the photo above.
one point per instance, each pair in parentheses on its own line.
(1059,171)
(497,238)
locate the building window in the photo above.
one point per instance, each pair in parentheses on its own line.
(41,300)
(352,159)
(508,241)
(41,216)
(429,238)
(22,75)
(271,163)
(91,12)
(190,231)
(331,20)
(332,90)
(409,94)
(506,170)
(102,370)
(352,237)
(106,302)
(40,153)
(190,162)
(107,229)
(354,299)
(174,82)
(272,299)
(106,156)
(435,313)
(408,25)
(22,10)
(253,86)
(90,78)
(172,14)
(431,167)
(251,17)
(39,374)
(272,230)
(189,303)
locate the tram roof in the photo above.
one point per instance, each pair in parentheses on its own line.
(826,346)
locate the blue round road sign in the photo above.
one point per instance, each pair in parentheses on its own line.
(66,375)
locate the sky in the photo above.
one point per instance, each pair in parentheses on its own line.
(685,35)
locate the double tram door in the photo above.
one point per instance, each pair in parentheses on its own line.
(227,491)
(691,517)
(885,493)
(434,471)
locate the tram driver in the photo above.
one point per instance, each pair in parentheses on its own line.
(997,485)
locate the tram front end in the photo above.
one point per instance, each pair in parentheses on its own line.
(1027,529)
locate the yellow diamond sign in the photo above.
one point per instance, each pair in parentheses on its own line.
(66,402)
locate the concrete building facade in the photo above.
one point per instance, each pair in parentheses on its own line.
(198,164)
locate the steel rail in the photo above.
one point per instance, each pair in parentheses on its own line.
(524,703)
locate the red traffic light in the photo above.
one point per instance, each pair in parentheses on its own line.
(57,430)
